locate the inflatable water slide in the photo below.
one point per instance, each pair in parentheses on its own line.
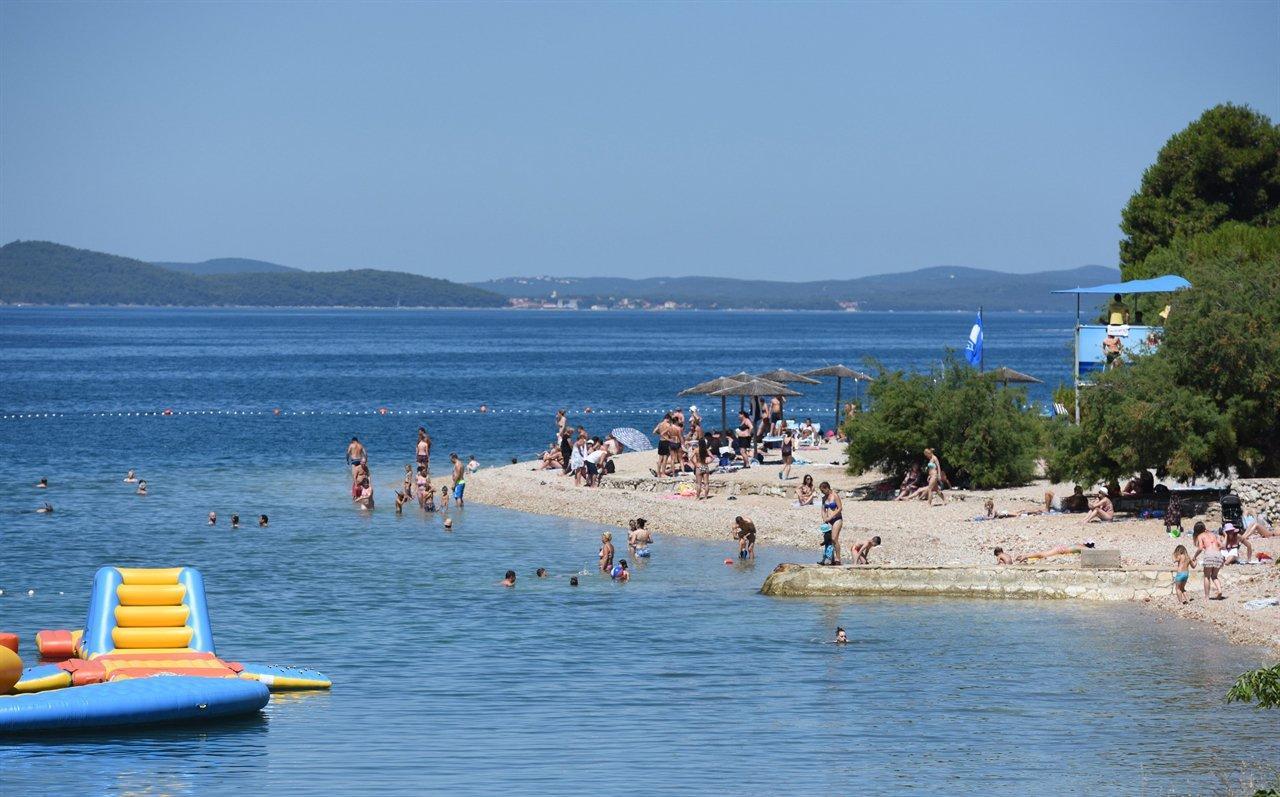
(142,623)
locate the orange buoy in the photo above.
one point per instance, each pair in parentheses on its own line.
(382,410)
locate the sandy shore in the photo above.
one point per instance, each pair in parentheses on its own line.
(912,532)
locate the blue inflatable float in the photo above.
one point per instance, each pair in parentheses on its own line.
(136,701)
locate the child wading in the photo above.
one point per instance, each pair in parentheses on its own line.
(1182,560)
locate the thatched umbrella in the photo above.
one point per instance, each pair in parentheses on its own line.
(841,373)
(1006,375)
(709,387)
(755,388)
(783,375)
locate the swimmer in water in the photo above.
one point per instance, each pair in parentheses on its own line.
(509,580)
(213,518)
(472,464)
(448,523)
(573,581)
(364,498)
(129,478)
(235,521)
(262,521)
(841,637)
(402,498)
(541,572)
(142,487)
(47,509)
(1002,558)
(444,498)
(638,536)
(43,483)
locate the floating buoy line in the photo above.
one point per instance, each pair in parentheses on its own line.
(169,412)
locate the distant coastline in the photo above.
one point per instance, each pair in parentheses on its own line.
(41,273)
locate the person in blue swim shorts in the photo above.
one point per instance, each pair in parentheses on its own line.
(459,479)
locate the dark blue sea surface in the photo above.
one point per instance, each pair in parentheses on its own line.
(685,680)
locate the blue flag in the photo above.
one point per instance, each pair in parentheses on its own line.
(973,348)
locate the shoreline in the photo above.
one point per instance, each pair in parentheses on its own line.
(914,534)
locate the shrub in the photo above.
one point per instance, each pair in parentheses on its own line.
(979,429)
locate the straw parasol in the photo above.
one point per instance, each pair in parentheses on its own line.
(783,375)
(711,386)
(841,373)
(757,387)
(1006,375)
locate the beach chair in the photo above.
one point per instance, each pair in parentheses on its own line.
(1059,409)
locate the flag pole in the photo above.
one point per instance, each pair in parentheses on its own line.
(982,350)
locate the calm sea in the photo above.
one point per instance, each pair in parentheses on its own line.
(685,680)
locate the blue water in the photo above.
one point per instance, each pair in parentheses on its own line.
(684,680)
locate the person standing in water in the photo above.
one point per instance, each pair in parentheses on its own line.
(744,531)
(606,552)
(356,457)
(459,479)
(422,452)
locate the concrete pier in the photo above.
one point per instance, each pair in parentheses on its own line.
(1015,581)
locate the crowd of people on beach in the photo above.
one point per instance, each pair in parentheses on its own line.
(416,484)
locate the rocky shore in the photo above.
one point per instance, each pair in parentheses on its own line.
(913,533)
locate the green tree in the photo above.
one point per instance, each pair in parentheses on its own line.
(1260,686)
(978,428)
(1225,166)
(1207,400)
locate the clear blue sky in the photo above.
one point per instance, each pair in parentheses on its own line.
(469,141)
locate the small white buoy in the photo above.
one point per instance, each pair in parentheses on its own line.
(30,592)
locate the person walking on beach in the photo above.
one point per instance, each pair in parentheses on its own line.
(932,487)
(702,470)
(606,552)
(356,456)
(422,452)
(742,437)
(1209,553)
(566,449)
(459,479)
(788,447)
(744,531)
(833,516)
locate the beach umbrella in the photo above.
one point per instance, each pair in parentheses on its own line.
(709,387)
(841,373)
(756,388)
(783,375)
(1006,375)
(633,439)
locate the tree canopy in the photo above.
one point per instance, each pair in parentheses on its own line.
(1225,166)
(1208,400)
(978,428)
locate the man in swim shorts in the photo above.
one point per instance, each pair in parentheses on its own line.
(355,457)
(744,531)
(459,479)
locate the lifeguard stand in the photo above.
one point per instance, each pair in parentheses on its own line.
(1089,355)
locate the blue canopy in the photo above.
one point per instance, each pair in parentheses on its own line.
(1166,284)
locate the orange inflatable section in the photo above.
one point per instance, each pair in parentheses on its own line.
(9,641)
(56,644)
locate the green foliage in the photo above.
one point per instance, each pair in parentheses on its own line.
(38,272)
(1260,686)
(978,428)
(1225,166)
(1206,401)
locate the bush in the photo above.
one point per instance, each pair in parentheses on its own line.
(978,428)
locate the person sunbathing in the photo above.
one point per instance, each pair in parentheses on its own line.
(1100,509)
(990,506)
(1059,550)
(1258,527)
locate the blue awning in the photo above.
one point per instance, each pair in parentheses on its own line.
(1166,284)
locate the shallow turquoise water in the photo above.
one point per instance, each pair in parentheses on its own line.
(685,680)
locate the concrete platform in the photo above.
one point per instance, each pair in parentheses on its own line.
(1014,581)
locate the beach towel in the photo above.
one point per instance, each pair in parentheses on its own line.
(1261,603)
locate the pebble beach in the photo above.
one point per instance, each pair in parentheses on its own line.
(913,533)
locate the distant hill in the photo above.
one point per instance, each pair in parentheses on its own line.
(39,272)
(227,265)
(936,288)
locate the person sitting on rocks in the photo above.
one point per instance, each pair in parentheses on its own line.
(1002,558)
(1100,509)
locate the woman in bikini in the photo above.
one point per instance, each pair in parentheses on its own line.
(833,516)
(606,552)
(804,493)
(742,437)
(934,469)
(422,452)
(702,469)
